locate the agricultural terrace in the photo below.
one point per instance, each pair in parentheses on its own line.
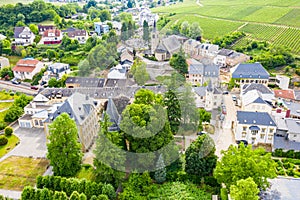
(275,21)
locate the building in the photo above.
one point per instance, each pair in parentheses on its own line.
(23,36)
(75,82)
(200,74)
(281,81)
(253,101)
(189,46)
(101,28)
(127,57)
(146,15)
(255,127)
(84,110)
(43,28)
(117,72)
(264,91)
(250,73)
(285,94)
(293,109)
(230,58)
(165,47)
(213,97)
(52,36)
(4,62)
(206,50)
(56,70)
(77,34)
(26,68)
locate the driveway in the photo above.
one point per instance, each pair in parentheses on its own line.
(32,143)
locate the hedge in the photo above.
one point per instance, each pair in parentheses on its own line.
(8,131)
(287,154)
(69,185)
(3,140)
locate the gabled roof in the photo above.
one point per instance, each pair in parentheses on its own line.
(285,94)
(293,107)
(253,96)
(255,118)
(293,126)
(25,31)
(250,70)
(26,65)
(171,43)
(200,91)
(40,98)
(196,67)
(256,86)
(72,32)
(56,33)
(86,82)
(225,52)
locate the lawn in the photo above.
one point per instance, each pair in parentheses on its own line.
(86,172)
(12,142)
(5,105)
(13,60)
(18,172)
(5,96)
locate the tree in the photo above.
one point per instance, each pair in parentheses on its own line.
(139,72)
(108,154)
(244,189)
(179,63)
(8,131)
(74,195)
(204,116)
(160,173)
(34,29)
(200,157)
(52,82)
(124,31)
(64,150)
(235,163)
(146,32)
(130,29)
(184,28)
(173,110)
(13,113)
(195,30)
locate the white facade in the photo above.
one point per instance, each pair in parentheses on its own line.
(118,72)
(4,62)
(213,99)
(28,74)
(282,82)
(26,37)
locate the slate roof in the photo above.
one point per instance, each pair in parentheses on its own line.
(282,143)
(255,118)
(86,82)
(113,114)
(200,91)
(196,67)
(293,107)
(293,126)
(256,86)
(78,106)
(253,96)
(171,43)
(225,52)
(297,95)
(250,70)
(24,30)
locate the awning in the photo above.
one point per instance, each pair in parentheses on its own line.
(254,128)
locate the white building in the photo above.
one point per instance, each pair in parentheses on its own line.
(282,82)
(52,36)
(255,127)
(253,101)
(117,72)
(27,68)
(23,36)
(4,62)
(206,50)
(76,34)
(146,15)
(56,70)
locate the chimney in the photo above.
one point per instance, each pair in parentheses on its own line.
(288,113)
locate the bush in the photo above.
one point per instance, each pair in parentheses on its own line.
(3,140)
(278,153)
(8,131)
(290,154)
(2,125)
(210,180)
(224,195)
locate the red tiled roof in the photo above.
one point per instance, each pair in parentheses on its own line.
(285,94)
(26,65)
(55,31)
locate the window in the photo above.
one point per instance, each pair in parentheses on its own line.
(262,136)
(254,132)
(263,130)
(243,134)
(270,137)
(271,130)
(295,135)
(244,128)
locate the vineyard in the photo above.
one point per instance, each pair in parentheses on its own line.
(286,36)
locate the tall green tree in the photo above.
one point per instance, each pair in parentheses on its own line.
(178,62)
(195,30)
(146,31)
(124,31)
(64,150)
(130,31)
(242,162)
(109,158)
(244,189)
(139,72)
(204,116)
(200,157)
(173,110)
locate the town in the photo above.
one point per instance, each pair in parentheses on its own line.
(110,100)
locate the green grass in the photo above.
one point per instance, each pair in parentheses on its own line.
(18,172)
(13,60)
(12,142)
(5,96)
(5,105)
(87,173)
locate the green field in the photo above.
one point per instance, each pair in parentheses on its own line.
(3,2)
(275,21)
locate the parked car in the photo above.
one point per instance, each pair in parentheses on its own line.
(225,92)
(233,97)
(15,81)
(201,133)
(224,112)
(222,117)
(242,141)
(34,87)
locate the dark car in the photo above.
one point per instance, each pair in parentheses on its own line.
(201,133)
(34,87)
(15,81)
(242,141)
(225,92)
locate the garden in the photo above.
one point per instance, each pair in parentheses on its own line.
(7,141)
(288,163)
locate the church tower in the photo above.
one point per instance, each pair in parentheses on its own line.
(154,38)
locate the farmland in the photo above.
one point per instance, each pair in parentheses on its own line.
(277,22)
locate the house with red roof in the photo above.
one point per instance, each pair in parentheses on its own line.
(285,94)
(27,68)
(52,36)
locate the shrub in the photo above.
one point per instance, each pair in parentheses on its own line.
(2,125)
(290,172)
(3,140)
(297,155)
(8,131)
(290,154)
(224,195)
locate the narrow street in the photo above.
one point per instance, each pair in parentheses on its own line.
(225,136)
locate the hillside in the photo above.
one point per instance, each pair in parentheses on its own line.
(275,21)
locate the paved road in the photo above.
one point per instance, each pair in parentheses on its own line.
(225,135)
(32,143)
(19,88)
